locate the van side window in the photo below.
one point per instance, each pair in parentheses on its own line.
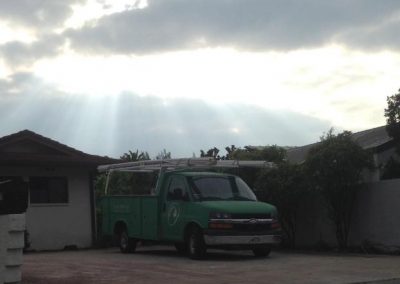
(177,189)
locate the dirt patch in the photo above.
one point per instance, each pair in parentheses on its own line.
(165,265)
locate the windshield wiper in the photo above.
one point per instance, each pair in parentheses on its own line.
(214,198)
(240,198)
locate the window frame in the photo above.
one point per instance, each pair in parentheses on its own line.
(47,190)
(185,190)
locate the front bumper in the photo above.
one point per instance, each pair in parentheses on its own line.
(213,240)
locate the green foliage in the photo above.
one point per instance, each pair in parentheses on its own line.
(335,167)
(213,152)
(391,170)
(121,183)
(286,187)
(230,151)
(163,155)
(135,156)
(392,114)
(272,153)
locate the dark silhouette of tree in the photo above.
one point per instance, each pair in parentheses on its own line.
(135,156)
(229,152)
(286,187)
(392,114)
(271,153)
(335,167)
(124,182)
(163,155)
(213,152)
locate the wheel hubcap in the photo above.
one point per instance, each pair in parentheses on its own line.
(192,245)
(123,242)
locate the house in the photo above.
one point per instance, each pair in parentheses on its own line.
(375,224)
(375,140)
(61,208)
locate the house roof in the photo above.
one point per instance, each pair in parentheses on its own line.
(375,139)
(29,148)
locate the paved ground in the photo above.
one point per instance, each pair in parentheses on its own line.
(163,265)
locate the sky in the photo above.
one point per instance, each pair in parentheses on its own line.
(108,76)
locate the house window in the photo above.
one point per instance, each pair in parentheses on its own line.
(48,189)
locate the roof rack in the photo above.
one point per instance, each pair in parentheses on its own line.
(175,164)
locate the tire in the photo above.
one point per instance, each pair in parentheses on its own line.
(262,251)
(181,248)
(126,244)
(196,247)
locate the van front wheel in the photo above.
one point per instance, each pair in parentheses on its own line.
(196,246)
(262,251)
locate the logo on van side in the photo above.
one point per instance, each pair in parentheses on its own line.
(173,214)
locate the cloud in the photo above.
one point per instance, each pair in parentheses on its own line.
(21,85)
(251,25)
(37,14)
(112,125)
(375,36)
(16,53)
(38,19)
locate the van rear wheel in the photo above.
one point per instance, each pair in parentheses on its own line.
(126,244)
(181,248)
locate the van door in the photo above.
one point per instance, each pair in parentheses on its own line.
(173,209)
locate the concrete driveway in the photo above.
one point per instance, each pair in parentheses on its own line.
(164,265)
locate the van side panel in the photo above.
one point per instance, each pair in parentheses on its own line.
(139,213)
(150,218)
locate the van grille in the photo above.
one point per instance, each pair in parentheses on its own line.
(252,216)
(253,228)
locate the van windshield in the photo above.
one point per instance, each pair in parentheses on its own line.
(220,188)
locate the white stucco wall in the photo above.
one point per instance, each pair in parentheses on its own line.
(11,246)
(314,228)
(3,248)
(54,226)
(384,156)
(376,219)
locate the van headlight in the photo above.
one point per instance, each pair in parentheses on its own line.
(220,220)
(220,215)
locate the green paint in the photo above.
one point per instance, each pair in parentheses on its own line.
(162,219)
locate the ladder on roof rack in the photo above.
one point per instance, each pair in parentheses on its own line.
(175,164)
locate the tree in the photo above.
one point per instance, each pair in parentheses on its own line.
(271,153)
(213,152)
(392,114)
(391,170)
(286,187)
(135,156)
(335,167)
(163,155)
(229,152)
(126,183)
